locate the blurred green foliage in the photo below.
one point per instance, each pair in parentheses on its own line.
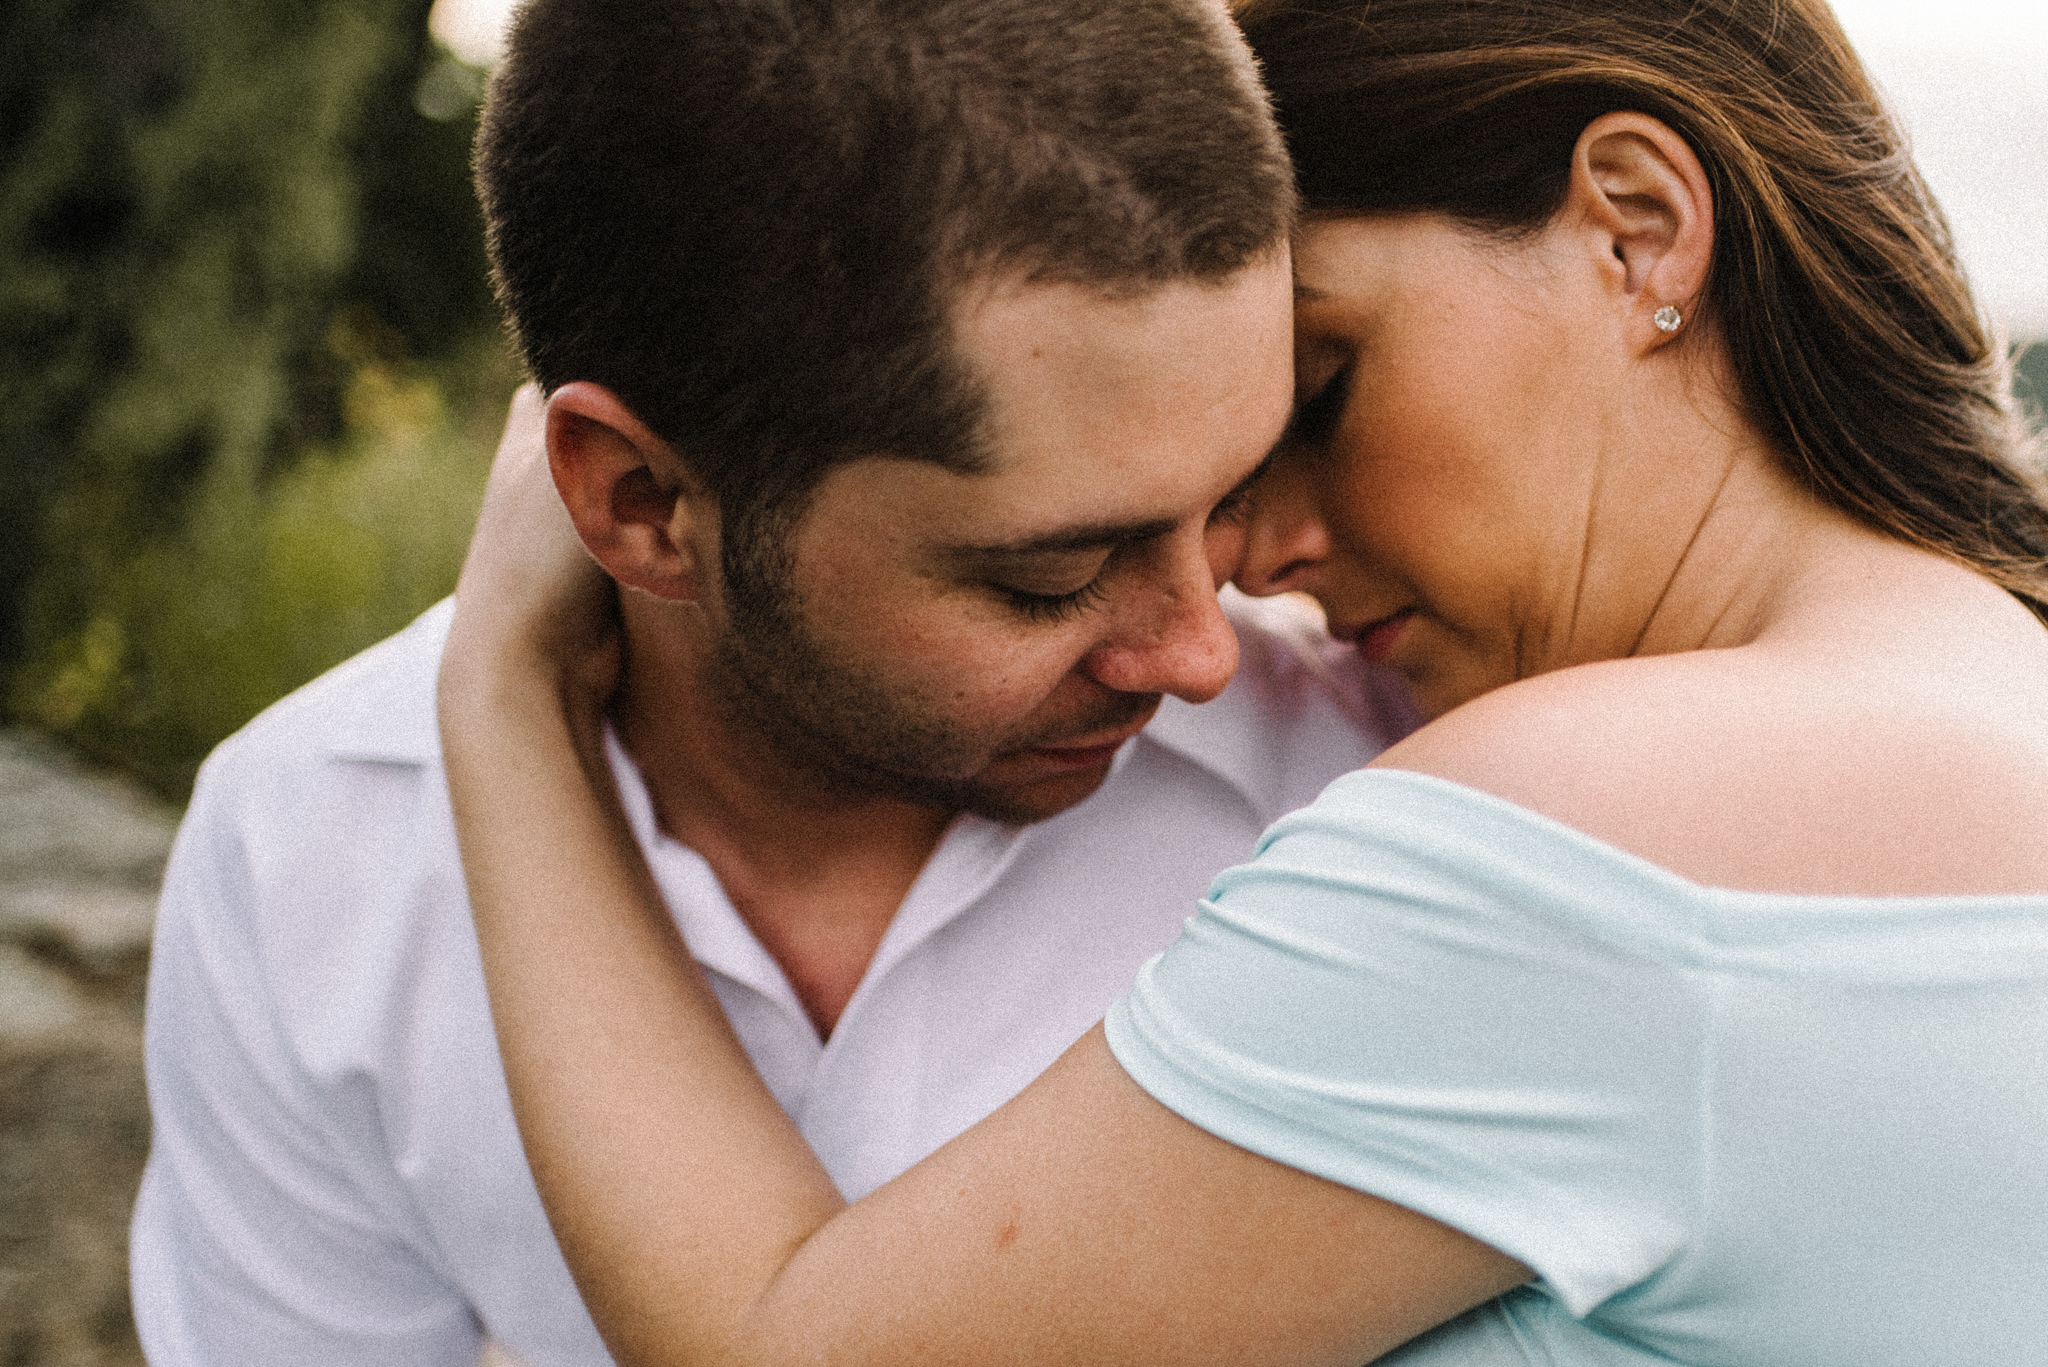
(249,366)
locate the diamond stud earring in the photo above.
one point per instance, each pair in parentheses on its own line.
(1668,319)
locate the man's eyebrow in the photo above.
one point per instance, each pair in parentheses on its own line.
(1307,293)
(1091,536)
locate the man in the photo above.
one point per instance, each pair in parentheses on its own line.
(905,363)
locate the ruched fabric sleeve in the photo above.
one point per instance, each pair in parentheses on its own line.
(1429,995)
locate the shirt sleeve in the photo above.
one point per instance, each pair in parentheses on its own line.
(257,1237)
(1411,996)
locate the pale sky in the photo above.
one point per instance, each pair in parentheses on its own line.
(1968,77)
(1970,80)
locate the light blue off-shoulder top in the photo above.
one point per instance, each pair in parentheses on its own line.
(1722,1127)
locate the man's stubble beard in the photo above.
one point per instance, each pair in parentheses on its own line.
(832,721)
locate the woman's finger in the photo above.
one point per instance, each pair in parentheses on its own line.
(528,585)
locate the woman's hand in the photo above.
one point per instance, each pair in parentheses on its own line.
(533,611)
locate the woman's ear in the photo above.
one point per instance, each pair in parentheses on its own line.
(636,505)
(1641,190)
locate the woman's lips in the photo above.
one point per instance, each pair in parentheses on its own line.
(1376,639)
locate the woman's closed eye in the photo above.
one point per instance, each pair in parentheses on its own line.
(1316,418)
(1237,504)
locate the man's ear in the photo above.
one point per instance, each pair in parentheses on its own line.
(1640,189)
(636,505)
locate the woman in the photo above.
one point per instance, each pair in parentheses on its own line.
(1675,994)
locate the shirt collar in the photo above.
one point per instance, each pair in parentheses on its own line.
(388,713)
(970,859)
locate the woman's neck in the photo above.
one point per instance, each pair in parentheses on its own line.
(1698,535)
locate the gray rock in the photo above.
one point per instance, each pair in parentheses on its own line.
(81,855)
(58,816)
(36,1000)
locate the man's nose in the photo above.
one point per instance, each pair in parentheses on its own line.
(1176,641)
(1286,540)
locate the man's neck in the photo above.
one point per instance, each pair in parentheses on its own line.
(816,873)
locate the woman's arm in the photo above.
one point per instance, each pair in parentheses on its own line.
(1082,1222)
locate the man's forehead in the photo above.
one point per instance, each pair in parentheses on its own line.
(1111,419)
(1064,364)
(1112,416)
(1007,510)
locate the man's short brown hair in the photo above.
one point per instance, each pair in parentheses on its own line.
(747,218)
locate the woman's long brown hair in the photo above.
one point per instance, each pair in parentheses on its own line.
(1850,330)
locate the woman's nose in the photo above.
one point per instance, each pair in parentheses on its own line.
(1285,538)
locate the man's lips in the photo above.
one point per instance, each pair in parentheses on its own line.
(1091,752)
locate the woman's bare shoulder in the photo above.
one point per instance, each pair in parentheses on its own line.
(1769,770)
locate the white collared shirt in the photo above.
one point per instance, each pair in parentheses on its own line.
(335,1176)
